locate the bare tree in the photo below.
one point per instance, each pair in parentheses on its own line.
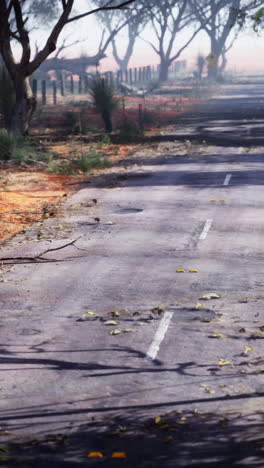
(168,18)
(221,20)
(132,23)
(16,31)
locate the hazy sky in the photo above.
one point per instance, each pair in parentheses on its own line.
(247,52)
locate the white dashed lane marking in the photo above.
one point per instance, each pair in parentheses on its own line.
(227,179)
(206,229)
(159,336)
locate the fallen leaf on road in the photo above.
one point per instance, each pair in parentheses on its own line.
(110,222)
(111,322)
(198,305)
(88,315)
(119,455)
(141,323)
(223,362)
(129,330)
(193,271)
(216,335)
(136,314)
(157,420)
(208,389)
(95,455)
(209,296)
(262,328)
(242,330)
(167,440)
(115,332)
(115,313)
(249,348)
(157,310)
(180,271)
(212,200)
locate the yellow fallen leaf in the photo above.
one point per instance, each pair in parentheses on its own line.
(209,296)
(129,330)
(212,200)
(90,314)
(216,335)
(158,310)
(110,222)
(193,271)
(119,430)
(222,200)
(198,305)
(180,271)
(111,322)
(115,332)
(168,439)
(95,455)
(249,348)
(157,420)
(115,313)
(119,455)
(223,362)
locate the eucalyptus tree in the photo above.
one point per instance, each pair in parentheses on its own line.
(168,18)
(16,20)
(130,23)
(222,20)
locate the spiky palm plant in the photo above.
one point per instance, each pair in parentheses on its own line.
(103,99)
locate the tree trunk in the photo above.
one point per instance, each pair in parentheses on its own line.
(213,67)
(25,106)
(164,70)
(106,115)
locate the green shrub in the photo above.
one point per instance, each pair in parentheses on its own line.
(91,160)
(9,143)
(78,103)
(74,122)
(7,97)
(61,168)
(129,131)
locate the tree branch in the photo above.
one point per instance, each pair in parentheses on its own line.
(104,8)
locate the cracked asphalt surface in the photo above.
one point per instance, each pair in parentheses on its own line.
(67,386)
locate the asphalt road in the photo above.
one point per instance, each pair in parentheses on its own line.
(181,385)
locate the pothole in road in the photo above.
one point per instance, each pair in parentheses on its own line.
(129,210)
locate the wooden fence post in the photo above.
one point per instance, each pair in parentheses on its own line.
(86,83)
(62,90)
(80,84)
(130,76)
(35,87)
(54,92)
(43,93)
(72,85)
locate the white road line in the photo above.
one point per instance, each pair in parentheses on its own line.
(227,179)
(206,229)
(159,336)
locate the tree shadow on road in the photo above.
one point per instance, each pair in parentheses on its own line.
(180,438)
